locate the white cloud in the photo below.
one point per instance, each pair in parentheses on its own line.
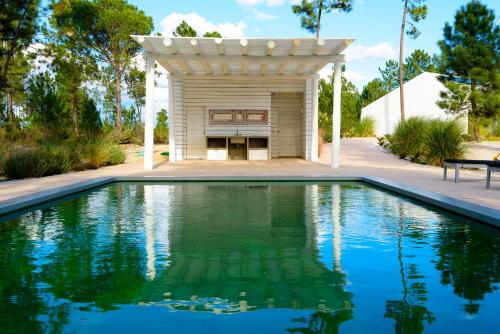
(295,2)
(261,15)
(358,79)
(272,3)
(202,25)
(378,51)
(355,77)
(249,2)
(269,3)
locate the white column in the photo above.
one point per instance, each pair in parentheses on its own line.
(337,89)
(314,119)
(149,114)
(171,120)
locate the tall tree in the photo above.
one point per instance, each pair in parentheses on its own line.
(44,105)
(18,26)
(417,63)
(471,51)
(416,11)
(105,26)
(372,91)
(73,65)
(310,12)
(185,30)
(136,89)
(390,75)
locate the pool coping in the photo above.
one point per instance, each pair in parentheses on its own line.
(477,212)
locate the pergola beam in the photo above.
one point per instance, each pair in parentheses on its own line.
(295,46)
(169,44)
(320,43)
(270,47)
(244,47)
(220,46)
(256,59)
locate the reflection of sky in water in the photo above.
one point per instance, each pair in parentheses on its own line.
(281,256)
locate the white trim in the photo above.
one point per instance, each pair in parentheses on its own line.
(337,90)
(171,120)
(314,119)
(149,114)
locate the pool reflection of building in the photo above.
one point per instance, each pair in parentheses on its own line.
(248,256)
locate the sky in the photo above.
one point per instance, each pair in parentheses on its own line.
(374,24)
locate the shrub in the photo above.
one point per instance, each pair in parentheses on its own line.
(38,162)
(95,152)
(99,152)
(408,138)
(385,141)
(443,140)
(115,156)
(365,127)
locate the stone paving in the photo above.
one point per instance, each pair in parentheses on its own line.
(359,157)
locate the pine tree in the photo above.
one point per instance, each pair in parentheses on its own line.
(470,54)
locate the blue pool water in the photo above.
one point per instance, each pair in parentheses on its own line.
(246,258)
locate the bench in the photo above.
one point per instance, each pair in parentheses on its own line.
(462,163)
(493,167)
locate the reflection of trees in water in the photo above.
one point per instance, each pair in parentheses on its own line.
(469,260)
(331,199)
(53,257)
(322,322)
(409,312)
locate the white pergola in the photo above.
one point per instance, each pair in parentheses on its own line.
(219,58)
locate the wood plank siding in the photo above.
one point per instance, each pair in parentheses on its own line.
(194,97)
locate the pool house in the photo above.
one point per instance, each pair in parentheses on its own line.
(242,99)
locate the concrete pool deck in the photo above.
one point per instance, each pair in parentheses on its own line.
(360,158)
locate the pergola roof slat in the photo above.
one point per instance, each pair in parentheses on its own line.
(246,57)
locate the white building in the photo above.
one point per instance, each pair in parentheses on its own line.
(421,97)
(242,99)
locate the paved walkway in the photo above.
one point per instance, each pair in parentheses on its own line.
(360,157)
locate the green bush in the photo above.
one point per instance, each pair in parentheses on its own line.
(365,127)
(115,156)
(443,139)
(408,138)
(99,152)
(37,162)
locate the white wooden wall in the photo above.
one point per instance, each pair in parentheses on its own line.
(192,97)
(287,113)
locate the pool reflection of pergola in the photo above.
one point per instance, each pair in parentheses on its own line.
(281,268)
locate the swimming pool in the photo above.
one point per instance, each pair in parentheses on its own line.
(246,257)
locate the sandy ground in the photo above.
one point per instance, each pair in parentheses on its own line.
(359,157)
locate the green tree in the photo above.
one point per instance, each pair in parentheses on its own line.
(161,128)
(136,89)
(417,63)
(18,26)
(390,75)
(184,30)
(89,117)
(73,66)
(471,51)
(417,11)
(350,107)
(105,26)
(372,91)
(213,34)
(310,12)
(44,105)
(14,90)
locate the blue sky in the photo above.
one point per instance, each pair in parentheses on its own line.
(375,25)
